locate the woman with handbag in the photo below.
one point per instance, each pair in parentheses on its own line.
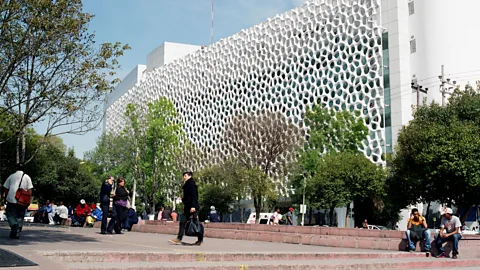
(120,203)
(18,191)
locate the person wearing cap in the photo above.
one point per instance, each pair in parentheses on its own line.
(290,216)
(213,215)
(81,213)
(451,224)
(191,207)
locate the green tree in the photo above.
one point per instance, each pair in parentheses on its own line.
(221,185)
(51,69)
(331,170)
(261,187)
(438,153)
(331,131)
(164,134)
(341,178)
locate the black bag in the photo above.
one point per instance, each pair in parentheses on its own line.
(193,227)
(417,232)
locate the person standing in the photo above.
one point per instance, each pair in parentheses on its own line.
(452,225)
(105,192)
(16,212)
(191,207)
(120,204)
(290,216)
(52,213)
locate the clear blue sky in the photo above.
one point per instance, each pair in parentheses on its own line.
(145,24)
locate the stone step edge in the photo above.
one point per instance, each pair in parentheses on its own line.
(253,265)
(344,231)
(89,256)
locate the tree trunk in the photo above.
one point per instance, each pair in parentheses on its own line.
(310,217)
(133,193)
(330,215)
(428,212)
(347,215)
(463,217)
(257,204)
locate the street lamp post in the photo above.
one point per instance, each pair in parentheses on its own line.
(303,207)
(303,204)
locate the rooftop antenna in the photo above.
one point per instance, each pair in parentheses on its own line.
(211,29)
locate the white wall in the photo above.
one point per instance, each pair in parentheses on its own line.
(446,33)
(167,53)
(395,21)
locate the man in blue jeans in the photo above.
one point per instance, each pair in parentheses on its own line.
(417,229)
(451,224)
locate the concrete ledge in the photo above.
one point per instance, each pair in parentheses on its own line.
(92,257)
(289,265)
(469,246)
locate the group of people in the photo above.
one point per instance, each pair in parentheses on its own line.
(123,215)
(450,230)
(51,213)
(277,218)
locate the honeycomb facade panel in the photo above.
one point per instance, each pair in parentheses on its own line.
(326,52)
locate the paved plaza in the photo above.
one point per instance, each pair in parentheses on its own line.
(85,248)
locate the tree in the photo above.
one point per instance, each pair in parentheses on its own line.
(341,178)
(261,187)
(51,70)
(438,153)
(331,131)
(264,142)
(221,185)
(330,161)
(164,134)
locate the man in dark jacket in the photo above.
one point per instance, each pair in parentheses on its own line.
(105,202)
(191,207)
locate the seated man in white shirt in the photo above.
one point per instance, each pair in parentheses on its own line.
(452,225)
(62,212)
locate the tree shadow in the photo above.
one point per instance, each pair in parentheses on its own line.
(41,235)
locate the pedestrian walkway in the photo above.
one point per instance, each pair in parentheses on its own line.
(82,248)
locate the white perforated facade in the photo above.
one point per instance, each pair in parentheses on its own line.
(327,52)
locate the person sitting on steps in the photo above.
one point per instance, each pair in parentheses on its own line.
(417,229)
(452,225)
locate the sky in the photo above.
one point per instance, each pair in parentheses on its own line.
(146,24)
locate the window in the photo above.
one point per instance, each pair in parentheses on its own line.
(413,46)
(411,8)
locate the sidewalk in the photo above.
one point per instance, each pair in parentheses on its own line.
(84,248)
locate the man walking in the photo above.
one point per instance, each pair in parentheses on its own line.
(452,225)
(191,207)
(290,216)
(105,192)
(15,211)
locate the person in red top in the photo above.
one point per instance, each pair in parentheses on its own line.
(81,213)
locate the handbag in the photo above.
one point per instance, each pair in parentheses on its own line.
(193,227)
(23,196)
(122,203)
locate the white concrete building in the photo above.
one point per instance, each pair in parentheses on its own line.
(167,53)
(346,54)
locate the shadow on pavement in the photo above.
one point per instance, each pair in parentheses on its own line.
(40,235)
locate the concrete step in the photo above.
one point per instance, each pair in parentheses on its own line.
(345,264)
(318,236)
(94,257)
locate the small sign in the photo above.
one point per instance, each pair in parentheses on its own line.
(303,209)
